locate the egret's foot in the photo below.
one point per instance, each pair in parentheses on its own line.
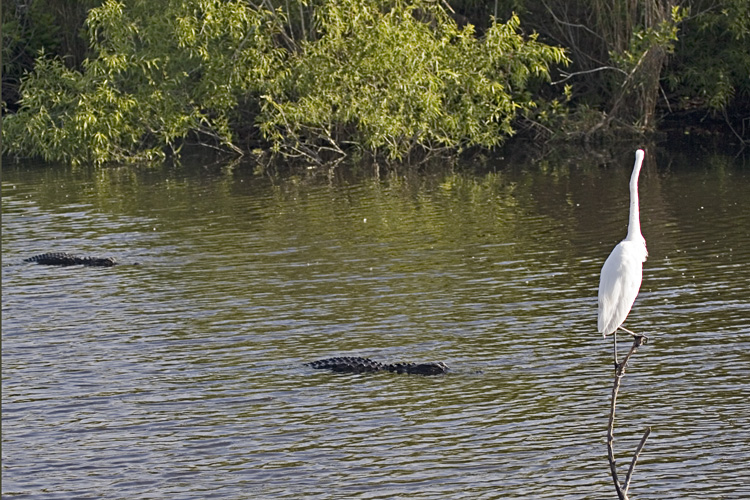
(635,335)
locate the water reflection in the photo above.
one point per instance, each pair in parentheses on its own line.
(183,376)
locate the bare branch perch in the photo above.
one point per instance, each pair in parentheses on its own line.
(622,492)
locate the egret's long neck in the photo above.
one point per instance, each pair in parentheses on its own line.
(634,225)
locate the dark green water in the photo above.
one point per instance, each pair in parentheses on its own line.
(183,377)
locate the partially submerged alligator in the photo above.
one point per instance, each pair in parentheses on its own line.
(362,365)
(66,259)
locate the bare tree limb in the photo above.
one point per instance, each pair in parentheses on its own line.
(742,140)
(624,87)
(622,492)
(568,76)
(637,453)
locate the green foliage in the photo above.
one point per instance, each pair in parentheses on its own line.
(27,30)
(387,77)
(397,77)
(54,27)
(643,39)
(708,68)
(25,33)
(711,67)
(323,78)
(162,70)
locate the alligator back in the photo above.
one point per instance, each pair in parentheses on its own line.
(66,259)
(362,365)
(347,365)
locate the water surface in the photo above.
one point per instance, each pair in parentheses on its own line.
(183,377)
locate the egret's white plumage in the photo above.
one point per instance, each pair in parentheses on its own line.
(623,270)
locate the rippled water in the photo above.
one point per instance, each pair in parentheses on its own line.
(183,377)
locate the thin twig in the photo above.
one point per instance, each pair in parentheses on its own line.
(605,121)
(568,76)
(288,39)
(629,475)
(571,25)
(742,140)
(448,6)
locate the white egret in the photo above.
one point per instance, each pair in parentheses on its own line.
(622,272)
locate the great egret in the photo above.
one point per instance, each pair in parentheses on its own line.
(622,272)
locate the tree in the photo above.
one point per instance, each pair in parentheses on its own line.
(636,62)
(710,70)
(400,77)
(52,26)
(162,70)
(380,76)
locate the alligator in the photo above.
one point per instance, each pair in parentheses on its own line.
(362,365)
(66,259)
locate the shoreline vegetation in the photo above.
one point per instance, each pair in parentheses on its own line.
(106,81)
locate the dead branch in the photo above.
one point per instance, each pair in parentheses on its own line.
(622,491)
